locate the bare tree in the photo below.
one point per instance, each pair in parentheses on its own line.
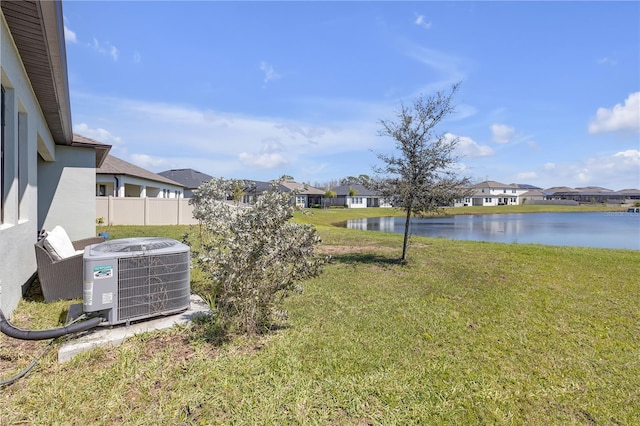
(422,177)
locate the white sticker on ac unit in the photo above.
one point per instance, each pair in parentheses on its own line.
(107,298)
(88,293)
(105,271)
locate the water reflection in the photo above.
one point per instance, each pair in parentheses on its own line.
(603,230)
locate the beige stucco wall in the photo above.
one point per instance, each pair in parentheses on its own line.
(145,211)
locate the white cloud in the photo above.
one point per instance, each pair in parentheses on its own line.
(265,160)
(447,65)
(502,133)
(269,158)
(527,175)
(607,61)
(106,49)
(98,134)
(421,22)
(69,35)
(271,146)
(629,157)
(113,51)
(137,58)
(296,130)
(269,72)
(467,147)
(624,117)
(617,171)
(463,111)
(534,145)
(226,144)
(149,162)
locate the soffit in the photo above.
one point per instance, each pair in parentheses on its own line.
(38,33)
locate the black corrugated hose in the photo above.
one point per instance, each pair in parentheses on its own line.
(11,330)
(54,333)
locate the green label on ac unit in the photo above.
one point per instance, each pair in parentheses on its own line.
(104,271)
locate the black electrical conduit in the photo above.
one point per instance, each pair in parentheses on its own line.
(17,333)
(24,372)
(55,333)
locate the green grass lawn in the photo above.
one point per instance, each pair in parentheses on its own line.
(466,333)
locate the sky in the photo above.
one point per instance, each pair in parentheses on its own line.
(549,94)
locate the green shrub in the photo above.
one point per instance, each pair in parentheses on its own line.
(252,257)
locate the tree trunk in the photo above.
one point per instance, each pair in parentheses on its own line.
(406,234)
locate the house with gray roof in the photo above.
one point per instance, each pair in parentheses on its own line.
(492,193)
(592,194)
(306,195)
(120,178)
(190,179)
(630,194)
(354,196)
(532,196)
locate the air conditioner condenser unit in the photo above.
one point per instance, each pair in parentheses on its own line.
(132,279)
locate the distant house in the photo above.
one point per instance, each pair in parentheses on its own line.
(356,196)
(630,194)
(119,178)
(47,174)
(532,196)
(492,193)
(592,194)
(190,179)
(306,196)
(256,188)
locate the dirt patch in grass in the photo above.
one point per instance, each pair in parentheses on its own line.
(177,346)
(335,250)
(16,353)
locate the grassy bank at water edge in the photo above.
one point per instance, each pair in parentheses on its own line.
(466,333)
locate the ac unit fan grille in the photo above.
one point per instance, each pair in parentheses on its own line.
(152,284)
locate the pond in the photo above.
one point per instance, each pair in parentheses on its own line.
(600,230)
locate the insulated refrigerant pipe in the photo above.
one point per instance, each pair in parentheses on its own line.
(17,333)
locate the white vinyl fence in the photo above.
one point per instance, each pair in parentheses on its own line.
(144,211)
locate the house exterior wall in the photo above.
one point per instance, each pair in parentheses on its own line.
(337,201)
(494,200)
(366,202)
(25,134)
(301,201)
(530,199)
(357,202)
(463,202)
(498,195)
(66,192)
(130,186)
(509,195)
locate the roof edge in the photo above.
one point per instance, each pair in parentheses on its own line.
(53,26)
